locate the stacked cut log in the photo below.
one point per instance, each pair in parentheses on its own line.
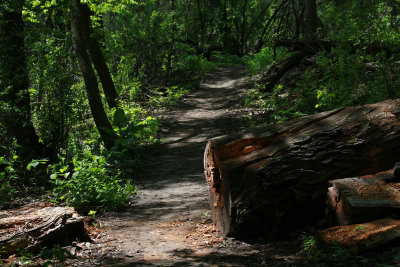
(365,208)
(360,199)
(273,179)
(36,225)
(361,237)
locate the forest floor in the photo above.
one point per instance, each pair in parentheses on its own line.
(169,222)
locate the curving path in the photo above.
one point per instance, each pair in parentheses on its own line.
(169,221)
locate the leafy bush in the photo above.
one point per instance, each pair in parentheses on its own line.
(89,180)
(279,104)
(341,78)
(226,59)
(167,96)
(8,176)
(263,59)
(194,64)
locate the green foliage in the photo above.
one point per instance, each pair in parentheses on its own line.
(279,104)
(336,256)
(263,59)
(309,245)
(193,64)
(89,181)
(57,107)
(342,79)
(227,59)
(92,214)
(55,255)
(10,170)
(168,96)
(359,227)
(35,162)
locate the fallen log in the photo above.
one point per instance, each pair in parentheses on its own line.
(35,225)
(275,178)
(360,237)
(361,199)
(276,72)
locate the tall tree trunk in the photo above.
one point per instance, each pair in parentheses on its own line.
(14,81)
(311,19)
(97,58)
(99,115)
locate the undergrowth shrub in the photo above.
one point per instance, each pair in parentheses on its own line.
(8,176)
(263,59)
(167,96)
(340,78)
(226,59)
(89,180)
(278,104)
(191,63)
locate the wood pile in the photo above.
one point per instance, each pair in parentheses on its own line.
(364,208)
(33,226)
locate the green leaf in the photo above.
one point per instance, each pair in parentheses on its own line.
(31,164)
(60,254)
(47,254)
(119,118)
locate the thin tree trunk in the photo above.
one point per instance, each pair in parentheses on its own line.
(226,28)
(242,39)
(172,44)
(97,58)
(99,115)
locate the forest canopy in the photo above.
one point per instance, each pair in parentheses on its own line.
(84,82)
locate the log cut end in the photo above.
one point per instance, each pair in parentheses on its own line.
(360,199)
(220,199)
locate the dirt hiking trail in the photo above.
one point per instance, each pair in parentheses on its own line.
(169,222)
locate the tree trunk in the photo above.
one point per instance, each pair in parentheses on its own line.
(360,237)
(99,115)
(361,199)
(14,82)
(36,225)
(243,29)
(311,19)
(275,178)
(97,58)
(172,43)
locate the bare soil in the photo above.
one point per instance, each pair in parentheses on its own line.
(169,221)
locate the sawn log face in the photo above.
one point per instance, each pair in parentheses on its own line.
(275,178)
(362,199)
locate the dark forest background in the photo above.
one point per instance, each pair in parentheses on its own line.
(84,83)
